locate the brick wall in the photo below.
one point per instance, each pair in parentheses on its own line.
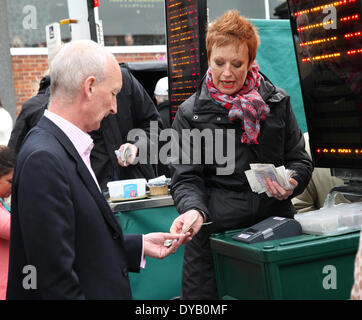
(28,70)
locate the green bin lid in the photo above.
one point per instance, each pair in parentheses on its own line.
(283,249)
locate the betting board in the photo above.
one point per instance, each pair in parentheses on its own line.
(327,39)
(185,25)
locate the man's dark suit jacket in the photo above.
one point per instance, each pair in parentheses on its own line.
(62,225)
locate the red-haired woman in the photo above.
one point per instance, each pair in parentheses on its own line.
(256,117)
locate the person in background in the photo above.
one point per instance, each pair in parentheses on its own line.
(162,101)
(356,293)
(163,106)
(135,110)
(238,100)
(315,194)
(7,164)
(31,111)
(128,40)
(64,228)
(6,125)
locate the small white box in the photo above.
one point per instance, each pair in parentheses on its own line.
(128,189)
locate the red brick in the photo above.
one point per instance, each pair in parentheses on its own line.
(28,71)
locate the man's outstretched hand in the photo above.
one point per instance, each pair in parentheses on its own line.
(154,244)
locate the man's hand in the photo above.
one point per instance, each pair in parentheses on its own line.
(129,153)
(279,192)
(184,220)
(154,244)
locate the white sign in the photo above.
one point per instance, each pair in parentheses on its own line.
(53,37)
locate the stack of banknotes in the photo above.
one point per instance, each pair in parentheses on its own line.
(260,172)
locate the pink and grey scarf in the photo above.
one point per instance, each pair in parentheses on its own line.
(247,105)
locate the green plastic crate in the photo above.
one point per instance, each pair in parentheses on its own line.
(304,267)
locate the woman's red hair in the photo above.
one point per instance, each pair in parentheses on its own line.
(231,27)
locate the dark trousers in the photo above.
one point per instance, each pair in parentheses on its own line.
(198,275)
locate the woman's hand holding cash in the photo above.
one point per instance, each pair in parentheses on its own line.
(279,192)
(188,223)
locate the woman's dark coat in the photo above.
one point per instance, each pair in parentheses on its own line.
(228,200)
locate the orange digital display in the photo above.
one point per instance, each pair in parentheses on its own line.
(186,49)
(317,41)
(327,41)
(325,6)
(352,35)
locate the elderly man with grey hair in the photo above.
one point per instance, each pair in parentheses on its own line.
(65,242)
